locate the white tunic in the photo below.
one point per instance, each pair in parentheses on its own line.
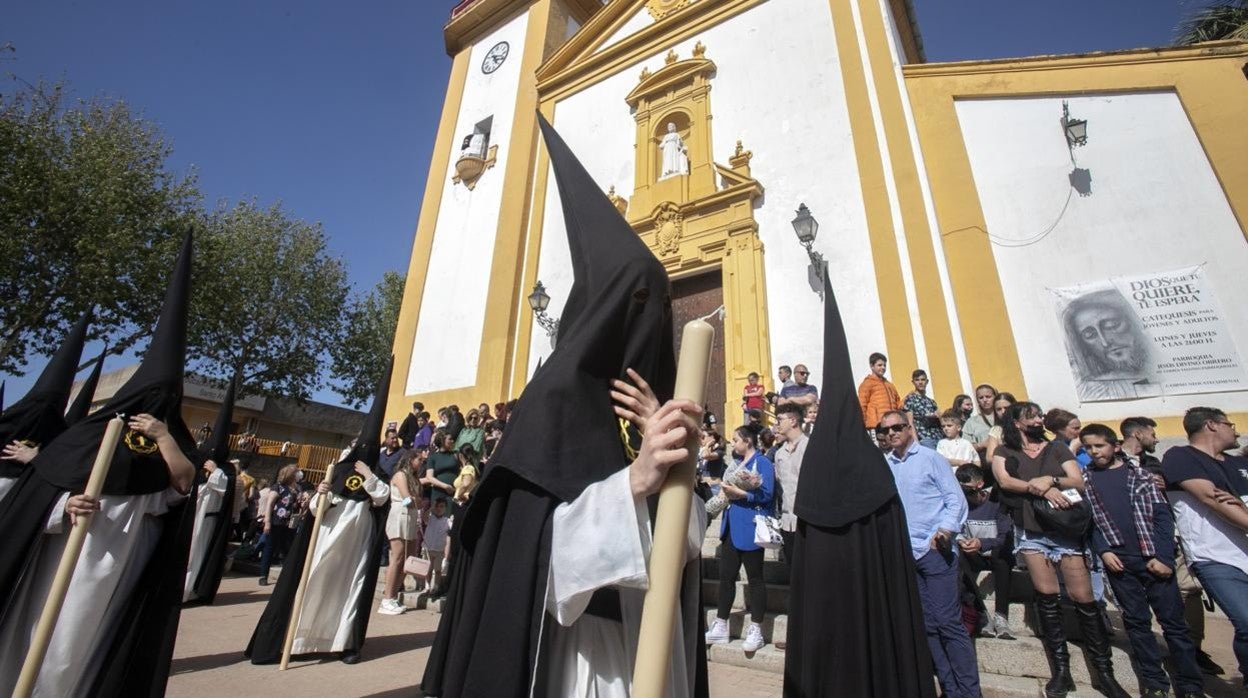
(602,539)
(339,566)
(209,498)
(120,542)
(6,484)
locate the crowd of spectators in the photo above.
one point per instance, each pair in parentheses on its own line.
(995,486)
(992,485)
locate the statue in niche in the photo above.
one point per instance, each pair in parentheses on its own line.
(675,154)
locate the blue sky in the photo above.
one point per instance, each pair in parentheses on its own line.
(331,107)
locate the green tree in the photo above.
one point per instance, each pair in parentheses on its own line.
(268,300)
(1225,19)
(360,357)
(89,216)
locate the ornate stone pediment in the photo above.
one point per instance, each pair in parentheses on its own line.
(662,8)
(668,227)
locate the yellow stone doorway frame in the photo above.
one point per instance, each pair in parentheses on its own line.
(702,221)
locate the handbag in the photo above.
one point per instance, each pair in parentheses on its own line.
(416,566)
(1072,523)
(767,532)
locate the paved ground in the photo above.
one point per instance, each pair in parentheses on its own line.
(209,660)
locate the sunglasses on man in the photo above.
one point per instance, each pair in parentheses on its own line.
(896,429)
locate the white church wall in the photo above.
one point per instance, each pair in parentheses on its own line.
(1155,205)
(640,20)
(778,88)
(940,387)
(446,348)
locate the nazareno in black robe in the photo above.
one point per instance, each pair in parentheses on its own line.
(204,587)
(39,417)
(265,646)
(855,623)
(140,650)
(562,436)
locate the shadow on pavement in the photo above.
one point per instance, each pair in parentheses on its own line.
(229,598)
(408,692)
(386,645)
(206,662)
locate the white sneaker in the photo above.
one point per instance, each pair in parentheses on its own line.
(718,634)
(753,638)
(391,607)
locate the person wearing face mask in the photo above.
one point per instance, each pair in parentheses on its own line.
(1033,473)
(964,406)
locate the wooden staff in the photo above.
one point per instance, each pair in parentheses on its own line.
(69,560)
(671,526)
(297,609)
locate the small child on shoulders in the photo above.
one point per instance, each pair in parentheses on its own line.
(954,447)
(1133,533)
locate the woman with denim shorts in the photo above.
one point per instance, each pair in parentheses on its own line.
(1033,472)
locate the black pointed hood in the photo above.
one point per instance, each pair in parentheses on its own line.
(155,389)
(217,448)
(844,475)
(39,417)
(81,406)
(345,482)
(618,315)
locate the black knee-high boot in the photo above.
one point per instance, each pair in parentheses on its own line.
(1049,622)
(1097,642)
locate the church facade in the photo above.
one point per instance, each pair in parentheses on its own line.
(1068,228)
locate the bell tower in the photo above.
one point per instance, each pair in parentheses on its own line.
(457,322)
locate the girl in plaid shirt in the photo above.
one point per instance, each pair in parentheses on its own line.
(1133,532)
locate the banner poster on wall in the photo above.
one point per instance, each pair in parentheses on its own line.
(1131,337)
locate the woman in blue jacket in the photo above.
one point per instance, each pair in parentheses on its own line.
(737,541)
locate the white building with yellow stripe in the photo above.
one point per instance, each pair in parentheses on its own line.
(953,209)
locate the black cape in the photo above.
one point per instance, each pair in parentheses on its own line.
(141,648)
(562,436)
(204,586)
(855,623)
(265,646)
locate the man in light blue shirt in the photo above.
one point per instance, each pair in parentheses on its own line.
(935,511)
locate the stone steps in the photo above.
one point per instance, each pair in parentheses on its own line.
(777,595)
(774,571)
(775,626)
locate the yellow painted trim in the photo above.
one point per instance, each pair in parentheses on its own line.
(1060,63)
(1172,427)
(565,74)
(499,332)
(894,312)
(1208,82)
(903,17)
(507,274)
(462,30)
(933,313)
(418,267)
(582,50)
